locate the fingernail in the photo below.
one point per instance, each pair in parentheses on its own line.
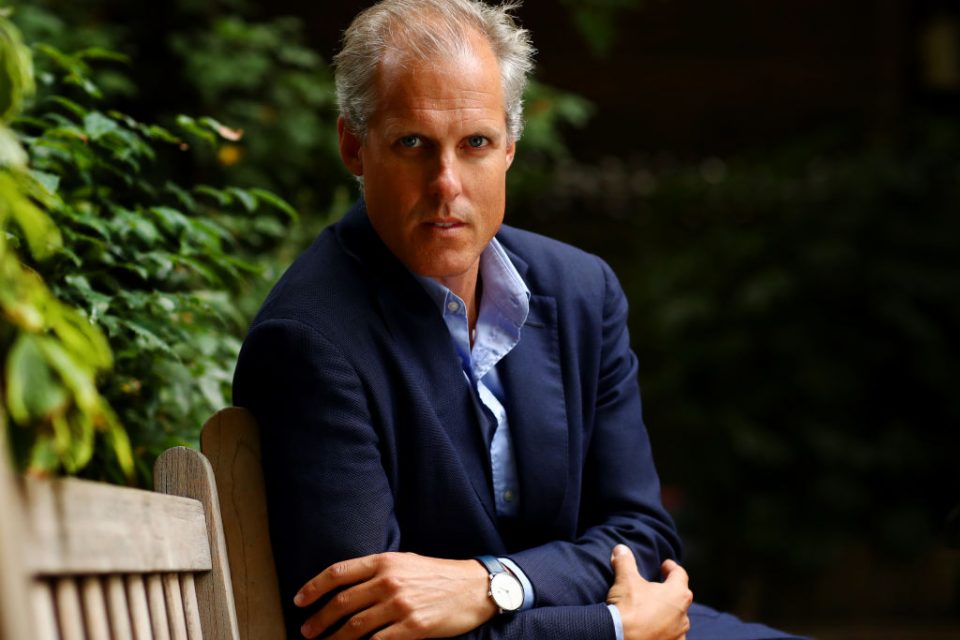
(298,600)
(305,630)
(618,550)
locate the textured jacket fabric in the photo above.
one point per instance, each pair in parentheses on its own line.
(373,439)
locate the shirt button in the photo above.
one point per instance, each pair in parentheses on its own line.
(453,306)
(509,495)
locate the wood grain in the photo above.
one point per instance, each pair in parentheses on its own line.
(117,607)
(44,611)
(185,472)
(231,442)
(14,582)
(139,607)
(159,622)
(191,607)
(82,527)
(66,595)
(94,606)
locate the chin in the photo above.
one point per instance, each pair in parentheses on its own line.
(442,268)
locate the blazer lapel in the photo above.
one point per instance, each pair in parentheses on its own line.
(532,378)
(414,323)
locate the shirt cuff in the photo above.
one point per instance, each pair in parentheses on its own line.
(528,588)
(617,620)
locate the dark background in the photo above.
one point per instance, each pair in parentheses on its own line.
(777,185)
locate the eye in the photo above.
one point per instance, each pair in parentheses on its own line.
(410,142)
(477,142)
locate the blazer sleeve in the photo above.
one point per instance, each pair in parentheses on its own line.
(328,493)
(620,500)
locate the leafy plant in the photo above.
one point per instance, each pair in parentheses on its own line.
(154,264)
(50,353)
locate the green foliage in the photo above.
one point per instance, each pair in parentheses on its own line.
(154,264)
(50,353)
(262,79)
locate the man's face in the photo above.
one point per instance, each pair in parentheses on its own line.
(434,161)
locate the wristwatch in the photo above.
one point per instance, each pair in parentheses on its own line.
(505,589)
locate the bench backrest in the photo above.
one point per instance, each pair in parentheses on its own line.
(231,441)
(100,562)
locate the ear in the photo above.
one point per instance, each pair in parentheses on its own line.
(350,146)
(511,152)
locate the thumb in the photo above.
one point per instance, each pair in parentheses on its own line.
(624,564)
(674,573)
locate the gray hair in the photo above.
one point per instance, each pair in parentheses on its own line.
(424,29)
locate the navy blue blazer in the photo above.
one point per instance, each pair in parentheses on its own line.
(373,440)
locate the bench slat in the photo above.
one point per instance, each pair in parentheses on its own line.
(67,598)
(14,582)
(191,607)
(94,607)
(159,620)
(171,593)
(45,613)
(83,527)
(139,608)
(231,441)
(118,607)
(185,472)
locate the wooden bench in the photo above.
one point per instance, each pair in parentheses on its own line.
(85,560)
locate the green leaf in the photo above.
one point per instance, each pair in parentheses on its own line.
(172,221)
(42,235)
(43,456)
(34,393)
(16,70)
(275,201)
(248,201)
(98,125)
(11,153)
(120,442)
(99,53)
(76,374)
(49,181)
(71,106)
(147,339)
(192,127)
(221,197)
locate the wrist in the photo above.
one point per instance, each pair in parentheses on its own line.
(506,590)
(480,587)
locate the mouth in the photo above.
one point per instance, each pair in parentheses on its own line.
(445,224)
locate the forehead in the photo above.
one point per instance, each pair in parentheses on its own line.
(465,84)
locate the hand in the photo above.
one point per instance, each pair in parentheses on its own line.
(650,610)
(400,596)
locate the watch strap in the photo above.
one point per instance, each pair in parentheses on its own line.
(492,565)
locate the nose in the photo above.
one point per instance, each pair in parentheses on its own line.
(445,183)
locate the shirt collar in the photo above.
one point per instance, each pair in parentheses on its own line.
(504,305)
(502,285)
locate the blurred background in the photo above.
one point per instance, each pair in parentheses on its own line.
(776,184)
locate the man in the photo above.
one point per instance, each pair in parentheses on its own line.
(430,382)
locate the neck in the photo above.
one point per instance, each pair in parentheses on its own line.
(466,287)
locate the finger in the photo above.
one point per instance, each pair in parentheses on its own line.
(624,565)
(668,566)
(362,624)
(674,574)
(336,575)
(343,605)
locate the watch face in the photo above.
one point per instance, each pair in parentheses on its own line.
(506,591)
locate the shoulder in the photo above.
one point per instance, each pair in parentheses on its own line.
(553,266)
(323,289)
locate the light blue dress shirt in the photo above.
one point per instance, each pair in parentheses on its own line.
(504,305)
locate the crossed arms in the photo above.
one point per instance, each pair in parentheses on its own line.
(341,509)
